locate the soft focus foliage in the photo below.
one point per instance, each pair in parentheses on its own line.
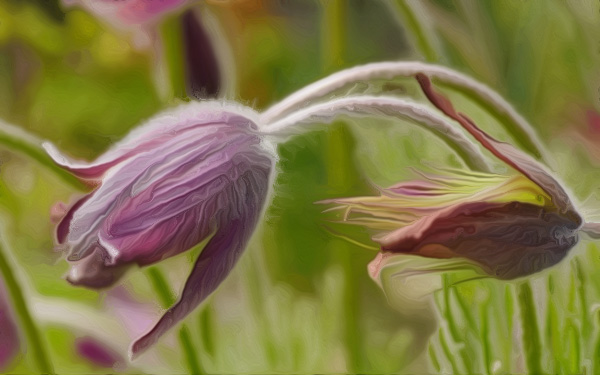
(301,299)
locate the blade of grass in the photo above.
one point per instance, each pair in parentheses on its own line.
(529,326)
(421,36)
(339,174)
(16,139)
(34,337)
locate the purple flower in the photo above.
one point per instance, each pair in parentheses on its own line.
(9,335)
(97,353)
(128,12)
(198,172)
(510,226)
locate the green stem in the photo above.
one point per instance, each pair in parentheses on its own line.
(453,328)
(34,338)
(166,298)
(417,30)
(171,35)
(16,139)
(190,354)
(529,327)
(340,175)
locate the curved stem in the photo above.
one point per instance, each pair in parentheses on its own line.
(389,107)
(514,123)
(18,140)
(418,31)
(531,336)
(34,338)
(592,230)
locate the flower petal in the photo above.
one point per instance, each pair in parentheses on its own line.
(148,137)
(235,226)
(97,353)
(508,240)
(123,13)
(195,149)
(93,272)
(504,151)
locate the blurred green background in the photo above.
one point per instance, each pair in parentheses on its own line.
(300,300)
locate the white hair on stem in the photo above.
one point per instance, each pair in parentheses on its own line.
(378,106)
(390,70)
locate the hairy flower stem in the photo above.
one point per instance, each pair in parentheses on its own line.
(497,106)
(381,106)
(34,337)
(166,298)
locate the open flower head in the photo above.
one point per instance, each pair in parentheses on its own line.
(509,226)
(199,172)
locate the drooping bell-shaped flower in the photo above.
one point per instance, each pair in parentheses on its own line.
(510,226)
(198,172)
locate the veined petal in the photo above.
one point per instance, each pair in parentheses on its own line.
(155,132)
(504,151)
(195,149)
(234,228)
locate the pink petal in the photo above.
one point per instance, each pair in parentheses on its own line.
(128,12)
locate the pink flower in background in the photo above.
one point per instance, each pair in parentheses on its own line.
(124,13)
(9,335)
(510,226)
(97,353)
(198,172)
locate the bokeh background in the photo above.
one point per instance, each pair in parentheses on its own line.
(300,300)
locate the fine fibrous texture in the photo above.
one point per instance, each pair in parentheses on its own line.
(509,226)
(196,173)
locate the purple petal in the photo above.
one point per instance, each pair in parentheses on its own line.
(504,151)
(97,353)
(93,272)
(508,239)
(193,144)
(220,254)
(149,136)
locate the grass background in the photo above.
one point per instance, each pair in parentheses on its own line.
(300,300)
